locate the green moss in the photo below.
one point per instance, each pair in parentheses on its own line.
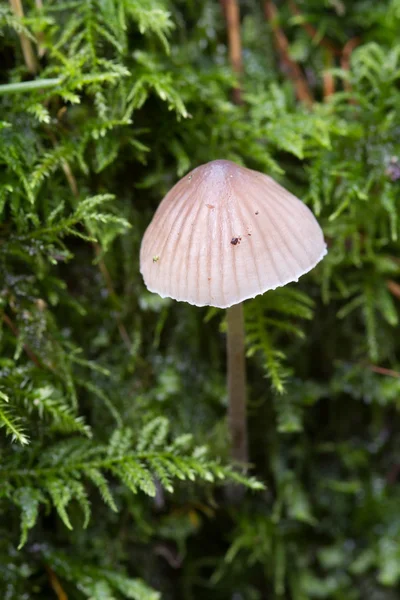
(112,400)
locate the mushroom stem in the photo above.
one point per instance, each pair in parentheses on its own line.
(237,383)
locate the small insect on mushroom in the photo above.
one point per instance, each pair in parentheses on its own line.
(234,241)
(156,258)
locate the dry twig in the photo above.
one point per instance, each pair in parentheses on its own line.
(330,51)
(345,59)
(27,49)
(232,14)
(328,79)
(55,584)
(384,371)
(394,288)
(313,33)
(294,72)
(344,54)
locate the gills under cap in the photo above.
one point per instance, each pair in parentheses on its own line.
(225,233)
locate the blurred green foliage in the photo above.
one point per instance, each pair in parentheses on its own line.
(112,400)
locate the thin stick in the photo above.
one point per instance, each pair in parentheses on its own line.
(27,49)
(328,79)
(237,383)
(312,32)
(303,91)
(384,371)
(234,43)
(345,60)
(55,584)
(394,288)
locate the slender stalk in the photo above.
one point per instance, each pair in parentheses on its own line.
(235,318)
(237,383)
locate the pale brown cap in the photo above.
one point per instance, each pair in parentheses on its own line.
(225,233)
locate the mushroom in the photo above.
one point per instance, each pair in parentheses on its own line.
(223,234)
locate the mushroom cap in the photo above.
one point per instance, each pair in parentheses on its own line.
(225,233)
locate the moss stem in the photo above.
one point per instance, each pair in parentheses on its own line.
(28,86)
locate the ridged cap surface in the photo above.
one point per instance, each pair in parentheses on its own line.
(225,233)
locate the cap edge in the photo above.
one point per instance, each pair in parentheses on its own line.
(245,297)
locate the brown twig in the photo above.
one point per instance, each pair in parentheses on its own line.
(70,178)
(27,49)
(345,58)
(328,78)
(394,288)
(26,347)
(55,584)
(384,371)
(294,72)
(344,53)
(65,167)
(313,33)
(232,14)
